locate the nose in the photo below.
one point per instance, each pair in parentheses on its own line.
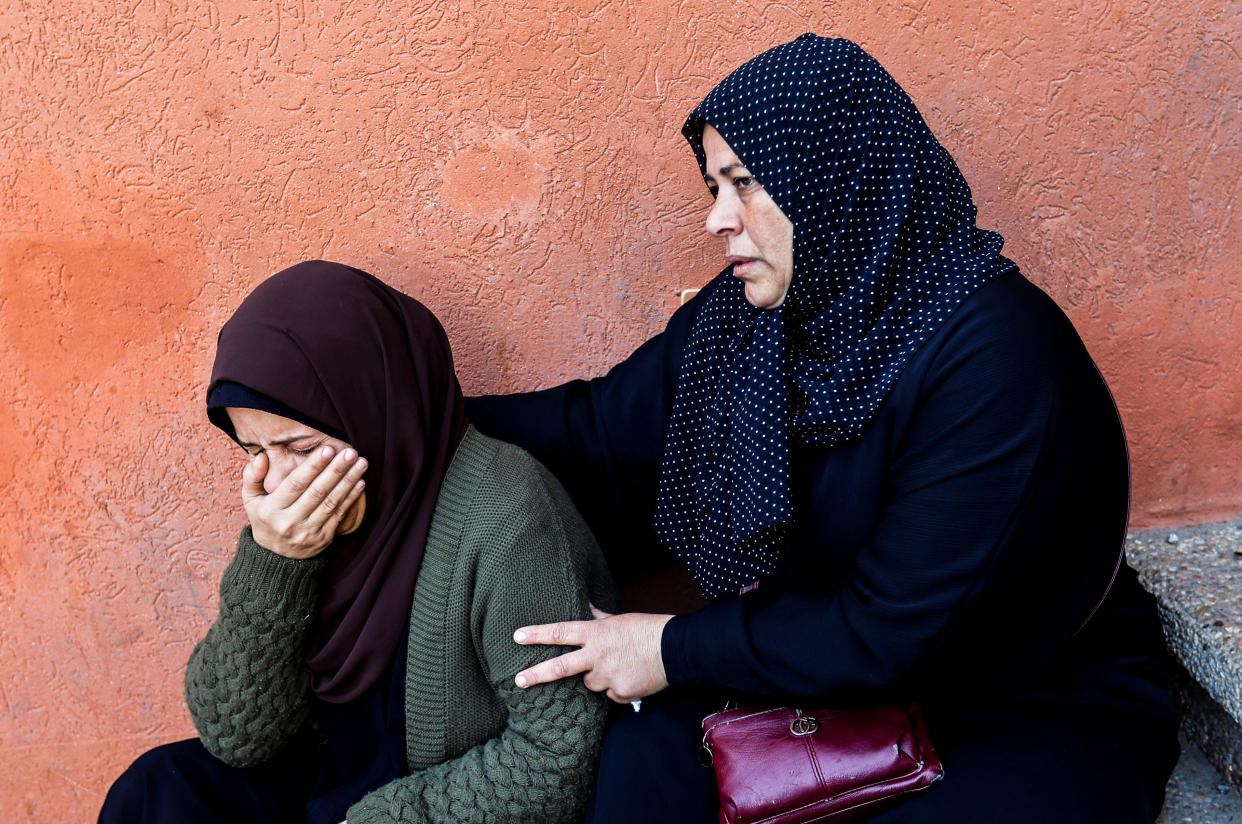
(724,218)
(277,470)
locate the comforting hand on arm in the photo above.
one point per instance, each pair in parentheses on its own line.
(619,654)
(984,416)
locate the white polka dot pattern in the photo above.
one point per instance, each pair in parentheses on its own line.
(885,248)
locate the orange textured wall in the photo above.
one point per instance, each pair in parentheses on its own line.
(518,166)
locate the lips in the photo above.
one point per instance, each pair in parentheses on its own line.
(741,264)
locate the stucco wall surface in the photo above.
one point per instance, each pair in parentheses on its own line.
(517,166)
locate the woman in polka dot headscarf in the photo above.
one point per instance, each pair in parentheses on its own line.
(886,461)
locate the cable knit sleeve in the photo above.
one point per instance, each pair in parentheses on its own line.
(247,684)
(541,566)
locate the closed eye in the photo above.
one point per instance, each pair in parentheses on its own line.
(254,449)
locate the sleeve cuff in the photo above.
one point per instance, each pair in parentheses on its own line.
(703,648)
(676,645)
(257,573)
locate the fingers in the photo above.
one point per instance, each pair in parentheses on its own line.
(566,634)
(320,489)
(554,669)
(253,475)
(352,494)
(300,517)
(299,480)
(598,613)
(620,655)
(330,494)
(598,682)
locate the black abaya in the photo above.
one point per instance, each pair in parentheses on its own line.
(950,554)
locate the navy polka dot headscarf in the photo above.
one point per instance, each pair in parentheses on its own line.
(885,248)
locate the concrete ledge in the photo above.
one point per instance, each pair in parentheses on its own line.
(1198,794)
(1212,729)
(1196,575)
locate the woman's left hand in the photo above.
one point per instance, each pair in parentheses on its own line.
(619,655)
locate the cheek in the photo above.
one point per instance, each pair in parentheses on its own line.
(787,253)
(776,243)
(771,230)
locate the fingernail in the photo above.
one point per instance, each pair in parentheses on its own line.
(350,454)
(519,636)
(327,452)
(520,680)
(362,463)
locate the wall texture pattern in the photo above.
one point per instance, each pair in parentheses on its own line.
(518,166)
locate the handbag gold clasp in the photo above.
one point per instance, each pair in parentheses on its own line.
(705,754)
(803,724)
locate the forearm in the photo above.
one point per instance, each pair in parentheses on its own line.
(603,438)
(540,768)
(247,684)
(787,646)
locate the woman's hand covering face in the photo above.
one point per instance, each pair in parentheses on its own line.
(300,487)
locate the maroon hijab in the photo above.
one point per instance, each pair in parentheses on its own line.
(339,346)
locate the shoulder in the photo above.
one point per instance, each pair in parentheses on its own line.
(503,500)
(1011,311)
(518,532)
(1008,331)
(1006,364)
(496,477)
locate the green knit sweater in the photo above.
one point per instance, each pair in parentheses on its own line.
(506,549)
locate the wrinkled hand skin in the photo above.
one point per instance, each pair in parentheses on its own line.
(300,517)
(619,654)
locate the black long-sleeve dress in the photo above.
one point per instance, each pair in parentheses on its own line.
(950,555)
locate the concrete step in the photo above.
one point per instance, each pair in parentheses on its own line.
(1198,793)
(1196,575)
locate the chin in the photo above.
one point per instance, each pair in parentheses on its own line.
(763,298)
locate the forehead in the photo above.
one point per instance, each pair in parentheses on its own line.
(719,154)
(257,426)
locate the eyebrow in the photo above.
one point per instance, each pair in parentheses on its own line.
(725,171)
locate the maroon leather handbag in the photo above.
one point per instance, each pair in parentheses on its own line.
(788,766)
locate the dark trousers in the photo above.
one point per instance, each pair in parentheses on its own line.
(1028,763)
(182,783)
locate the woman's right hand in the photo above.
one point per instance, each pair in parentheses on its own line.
(300,517)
